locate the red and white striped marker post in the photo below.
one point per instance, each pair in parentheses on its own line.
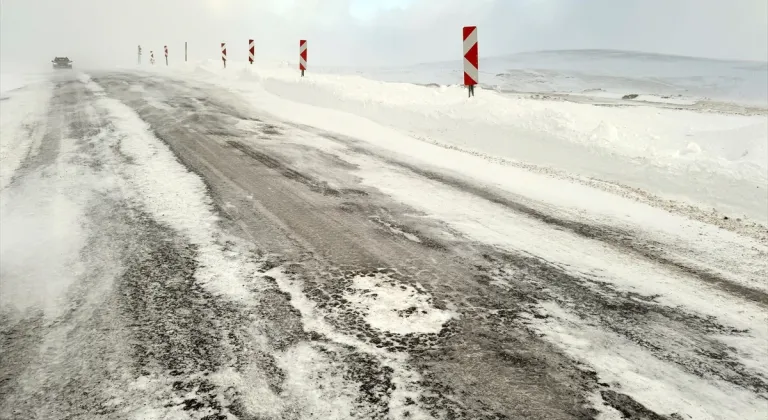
(251,51)
(152,58)
(302,56)
(224,53)
(471,72)
(165,47)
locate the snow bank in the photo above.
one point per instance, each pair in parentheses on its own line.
(657,135)
(661,137)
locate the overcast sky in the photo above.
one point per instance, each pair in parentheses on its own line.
(375,32)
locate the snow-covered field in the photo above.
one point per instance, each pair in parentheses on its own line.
(598,73)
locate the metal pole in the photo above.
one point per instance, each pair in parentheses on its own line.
(185,51)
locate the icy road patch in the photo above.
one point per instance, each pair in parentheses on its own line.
(397,308)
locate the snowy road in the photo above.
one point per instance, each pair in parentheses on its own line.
(171,251)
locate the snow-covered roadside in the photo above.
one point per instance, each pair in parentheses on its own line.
(42,236)
(176,197)
(41,215)
(722,252)
(41,228)
(710,159)
(22,123)
(10,82)
(663,137)
(678,160)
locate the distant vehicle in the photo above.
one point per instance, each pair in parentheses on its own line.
(62,63)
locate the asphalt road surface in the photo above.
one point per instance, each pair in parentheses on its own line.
(311,294)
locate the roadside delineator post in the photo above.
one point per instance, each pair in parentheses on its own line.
(139,54)
(224,53)
(471,72)
(152,58)
(165,47)
(302,56)
(251,51)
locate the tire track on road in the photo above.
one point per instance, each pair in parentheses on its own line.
(623,240)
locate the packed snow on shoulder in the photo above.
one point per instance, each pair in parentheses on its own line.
(22,122)
(177,197)
(541,132)
(690,160)
(10,82)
